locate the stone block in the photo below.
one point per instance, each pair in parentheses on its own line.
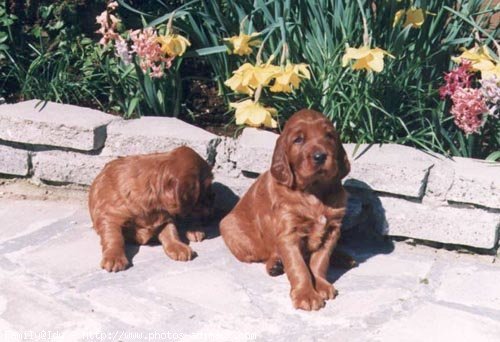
(157,134)
(476,182)
(388,168)
(14,161)
(68,167)
(225,157)
(461,226)
(440,180)
(52,124)
(255,150)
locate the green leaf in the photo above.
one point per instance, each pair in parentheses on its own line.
(131,107)
(206,51)
(494,156)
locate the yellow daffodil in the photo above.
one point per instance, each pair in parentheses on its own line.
(254,114)
(289,77)
(248,77)
(481,60)
(366,58)
(242,44)
(414,17)
(397,17)
(490,73)
(236,84)
(173,44)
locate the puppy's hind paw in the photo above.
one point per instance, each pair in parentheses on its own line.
(325,289)
(180,252)
(195,236)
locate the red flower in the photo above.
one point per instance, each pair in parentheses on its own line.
(457,78)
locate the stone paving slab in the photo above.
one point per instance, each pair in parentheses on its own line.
(54,124)
(50,280)
(456,282)
(157,134)
(68,167)
(14,161)
(434,322)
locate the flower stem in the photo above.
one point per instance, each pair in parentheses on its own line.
(257,94)
(284,54)
(170,23)
(366,35)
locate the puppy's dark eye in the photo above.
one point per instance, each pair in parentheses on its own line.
(330,135)
(298,140)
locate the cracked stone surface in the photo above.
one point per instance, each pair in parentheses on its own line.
(50,281)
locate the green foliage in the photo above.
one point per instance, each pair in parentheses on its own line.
(49,50)
(400,104)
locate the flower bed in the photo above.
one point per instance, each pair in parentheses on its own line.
(374,68)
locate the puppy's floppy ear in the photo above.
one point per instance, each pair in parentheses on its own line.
(187,191)
(342,160)
(280,167)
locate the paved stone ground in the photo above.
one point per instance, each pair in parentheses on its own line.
(51,288)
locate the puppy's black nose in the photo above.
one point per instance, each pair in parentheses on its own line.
(319,157)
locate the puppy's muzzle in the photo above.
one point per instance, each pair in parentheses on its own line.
(319,158)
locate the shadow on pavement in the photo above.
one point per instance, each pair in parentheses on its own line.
(363,229)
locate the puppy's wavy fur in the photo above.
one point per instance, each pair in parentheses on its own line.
(137,198)
(290,217)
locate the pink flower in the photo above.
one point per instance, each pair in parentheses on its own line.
(468,109)
(108,24)
(457,78)
(145,45)
(113,5)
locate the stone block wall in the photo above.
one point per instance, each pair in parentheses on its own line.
(395,190)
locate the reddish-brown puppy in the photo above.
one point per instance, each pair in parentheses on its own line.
(291,215)
(137,198)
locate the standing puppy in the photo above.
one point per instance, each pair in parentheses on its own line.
(138,197)
(290,217)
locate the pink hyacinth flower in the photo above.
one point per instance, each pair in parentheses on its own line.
(468,109)
(145,45)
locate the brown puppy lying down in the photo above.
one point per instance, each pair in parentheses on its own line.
(137,198)
(290,217)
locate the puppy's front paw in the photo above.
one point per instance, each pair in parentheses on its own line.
(325,289)
(114,262)
(195,236)
(179,251)
(306,299)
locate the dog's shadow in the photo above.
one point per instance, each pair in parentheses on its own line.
(364,229)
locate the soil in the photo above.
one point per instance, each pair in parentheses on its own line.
(205,108)
(24,189)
